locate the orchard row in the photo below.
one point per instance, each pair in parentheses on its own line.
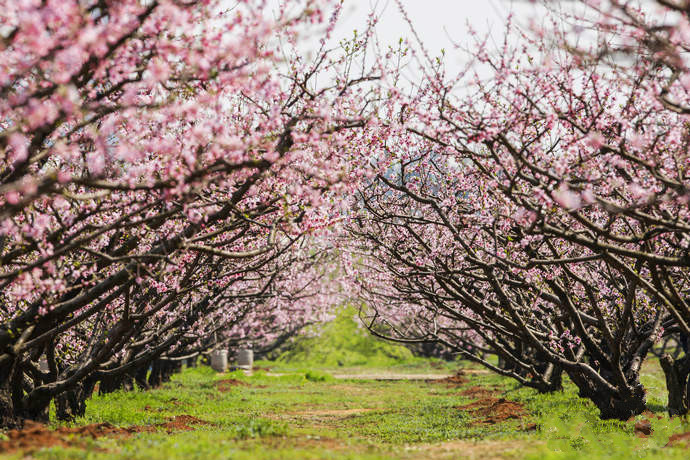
(180,176)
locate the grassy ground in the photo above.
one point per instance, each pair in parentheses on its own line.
(343,342)
(311,415)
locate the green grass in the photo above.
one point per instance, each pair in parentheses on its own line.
(312,415)
(344,343)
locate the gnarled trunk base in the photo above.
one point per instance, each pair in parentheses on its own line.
(610,405)
(8,420)
(677,383)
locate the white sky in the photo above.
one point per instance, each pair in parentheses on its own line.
(436,21)
(439,23)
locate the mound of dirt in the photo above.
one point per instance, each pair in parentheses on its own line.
(679,438)
(453,381)
(37,435)
(494,410)
(181,423)
(643,428)
(476,392)
(227,384)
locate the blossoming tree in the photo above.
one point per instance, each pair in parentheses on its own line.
(163,163)
(546,206)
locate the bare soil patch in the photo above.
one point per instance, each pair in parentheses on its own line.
(309,441)
(331,412)
(490,410)
(389,376)
(471,450)
(679,438)
(476,392)
(452,381)
(37,435)
(228,384)
(320,418)
(643,428)
(181,423)
(475,371)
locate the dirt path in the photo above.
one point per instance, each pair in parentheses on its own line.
(467,450)
(384,375)
(391,376)
(329,412)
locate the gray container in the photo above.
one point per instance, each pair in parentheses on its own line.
(245,358)
(43,364)
(219,360)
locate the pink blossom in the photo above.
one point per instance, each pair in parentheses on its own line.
(18,143)
(12,197)
(566,198)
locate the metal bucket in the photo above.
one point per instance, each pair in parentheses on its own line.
(219,360)
(245,358)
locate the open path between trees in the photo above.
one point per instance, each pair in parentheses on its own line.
(365,414)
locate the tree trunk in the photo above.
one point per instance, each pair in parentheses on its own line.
(113,383)
(140,375)
(554,376)
(155,377)
(619,406)
(72,404)
(677,383)
(8,419)
(168,369)
(14,407)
